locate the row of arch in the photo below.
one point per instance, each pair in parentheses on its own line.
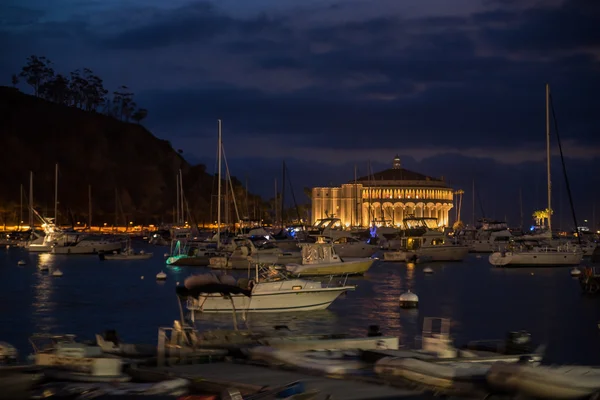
(434,194)
(395,212)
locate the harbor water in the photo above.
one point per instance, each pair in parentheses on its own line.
(483,302)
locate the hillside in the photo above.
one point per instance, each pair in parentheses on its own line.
(91,149)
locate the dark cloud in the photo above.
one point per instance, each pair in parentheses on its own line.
(351,83)
(12,16)
(199,21)
(572,25)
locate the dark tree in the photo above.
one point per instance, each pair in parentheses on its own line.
(139,115)
(15,80)
(87,90)
(122,103)
(56,90)
(37,72)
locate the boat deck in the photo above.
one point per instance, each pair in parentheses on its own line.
(248,376)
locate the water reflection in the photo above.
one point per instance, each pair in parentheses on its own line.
(410,274)
(42,305)
(48,259)
(323,321)
(377,303)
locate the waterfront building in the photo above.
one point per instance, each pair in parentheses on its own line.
(384,198)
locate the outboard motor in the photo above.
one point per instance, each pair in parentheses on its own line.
(518,342)
(101,255)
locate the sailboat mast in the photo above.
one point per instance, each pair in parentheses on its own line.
(30,199)
(219,192)
(90,207)
(56,195)
(21,208)
(276,205)
(548,157)
(177,199)
(181,199)
(353,209)
(521,206)
(116,208)
(282,192)
(473,210)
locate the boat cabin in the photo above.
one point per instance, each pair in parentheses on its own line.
(319,252)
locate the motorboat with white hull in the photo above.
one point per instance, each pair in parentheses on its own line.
(536,254)
(546,382)
(78,243)
(320,259)
(350,247)
(192,254)
(422,241)
(245,252)
(65,359)
(271,291)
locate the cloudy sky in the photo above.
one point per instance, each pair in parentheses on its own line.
(456,88)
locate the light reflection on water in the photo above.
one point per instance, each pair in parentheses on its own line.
(48,259)
(43,305)
(483,302)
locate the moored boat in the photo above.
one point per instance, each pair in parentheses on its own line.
(270,291)
(454,377)
(320,258)
(547,382)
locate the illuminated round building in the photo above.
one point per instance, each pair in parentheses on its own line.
(385,198)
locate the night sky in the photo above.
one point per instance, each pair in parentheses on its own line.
(456,88)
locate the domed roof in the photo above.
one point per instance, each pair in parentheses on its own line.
(396,174)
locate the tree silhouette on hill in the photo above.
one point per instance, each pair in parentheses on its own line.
(82,89)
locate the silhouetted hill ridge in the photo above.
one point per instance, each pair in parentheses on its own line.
(91,149)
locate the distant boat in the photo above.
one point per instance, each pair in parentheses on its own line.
(126,254)
(320,258)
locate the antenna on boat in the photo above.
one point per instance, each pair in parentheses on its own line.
(219,193)
(548,157)
(564,168)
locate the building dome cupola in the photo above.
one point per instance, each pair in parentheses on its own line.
(397,164)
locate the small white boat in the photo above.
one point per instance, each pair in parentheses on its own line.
(310,360)
(320,258)
(43,267)
(8,353)
(21,262)
(57,273)
(127,254)
(547,382)
(161,276)
(67,360)
(170,388)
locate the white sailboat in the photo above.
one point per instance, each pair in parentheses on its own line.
(533,250)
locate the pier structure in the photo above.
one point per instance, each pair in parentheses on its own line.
(384,198)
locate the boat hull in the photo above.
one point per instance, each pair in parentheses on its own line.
(88,249)
(351,267)
(277,301)
(567,382)
(451,377)
(535,259)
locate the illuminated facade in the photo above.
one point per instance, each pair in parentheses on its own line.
(385,198)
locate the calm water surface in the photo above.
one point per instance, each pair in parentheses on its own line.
(483,302)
